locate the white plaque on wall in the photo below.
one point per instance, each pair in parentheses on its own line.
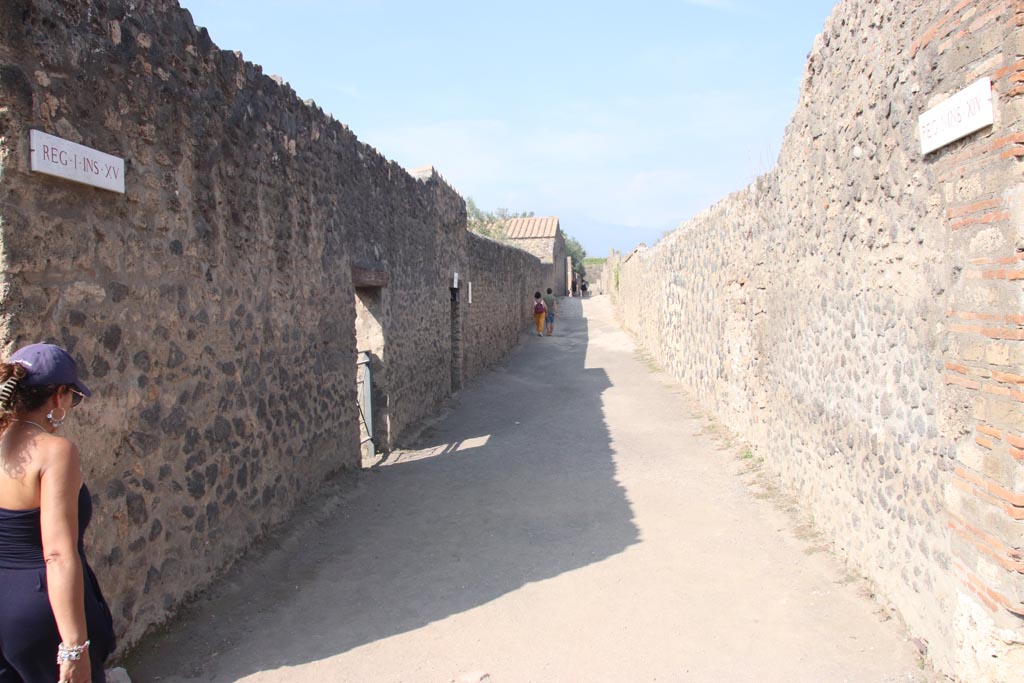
(65,159)
(960,115)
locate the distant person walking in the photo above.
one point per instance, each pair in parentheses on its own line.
(539,313)
(551,307)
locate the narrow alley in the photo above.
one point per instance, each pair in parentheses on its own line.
(570,518)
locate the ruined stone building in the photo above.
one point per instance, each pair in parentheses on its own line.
(216,297)
(542,236)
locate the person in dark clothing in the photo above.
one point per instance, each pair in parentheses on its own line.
(54,623)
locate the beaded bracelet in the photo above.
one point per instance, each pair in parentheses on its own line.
(70,654)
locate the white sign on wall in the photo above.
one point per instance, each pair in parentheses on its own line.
(65,159)
(962,114)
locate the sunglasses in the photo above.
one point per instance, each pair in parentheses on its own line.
(77,397)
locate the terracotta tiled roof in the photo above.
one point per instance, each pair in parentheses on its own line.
(530,228)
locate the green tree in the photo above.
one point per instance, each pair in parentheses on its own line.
(574,249)
(488,223)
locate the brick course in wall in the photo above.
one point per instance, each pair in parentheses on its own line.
(984,359)
(212,307)
(856,314)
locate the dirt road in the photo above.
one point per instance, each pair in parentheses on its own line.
(569,519)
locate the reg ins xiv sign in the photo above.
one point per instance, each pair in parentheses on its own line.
(960,115)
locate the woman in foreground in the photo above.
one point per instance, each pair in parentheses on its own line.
(54,622)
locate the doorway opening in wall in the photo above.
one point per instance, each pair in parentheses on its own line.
(456,318)
(371,387)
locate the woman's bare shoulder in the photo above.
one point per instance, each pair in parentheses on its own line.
(56,452)
(47,460)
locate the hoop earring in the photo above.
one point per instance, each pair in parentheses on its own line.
(57,421)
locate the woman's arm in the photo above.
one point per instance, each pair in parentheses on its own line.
(60,482)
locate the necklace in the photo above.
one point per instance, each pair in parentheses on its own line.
(30,422)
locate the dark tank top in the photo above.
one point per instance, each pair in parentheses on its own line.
(21,535)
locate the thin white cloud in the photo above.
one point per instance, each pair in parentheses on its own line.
(563,147)
(727,5)
(475,150)
(349,91)
(656,198)
(624,163)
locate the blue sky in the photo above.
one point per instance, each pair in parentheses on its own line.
(623,119)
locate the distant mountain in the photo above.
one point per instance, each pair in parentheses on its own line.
(598,238)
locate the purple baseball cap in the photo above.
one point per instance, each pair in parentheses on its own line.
(48,364)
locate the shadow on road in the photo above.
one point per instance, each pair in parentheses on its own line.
(516,484)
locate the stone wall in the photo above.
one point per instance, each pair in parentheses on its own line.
(212,307)
(595,274)
(559,268)
(856,316)
(551,252)
(501,302)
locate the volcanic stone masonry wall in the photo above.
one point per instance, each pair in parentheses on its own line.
(856,315)
(553,258)
(212,307)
